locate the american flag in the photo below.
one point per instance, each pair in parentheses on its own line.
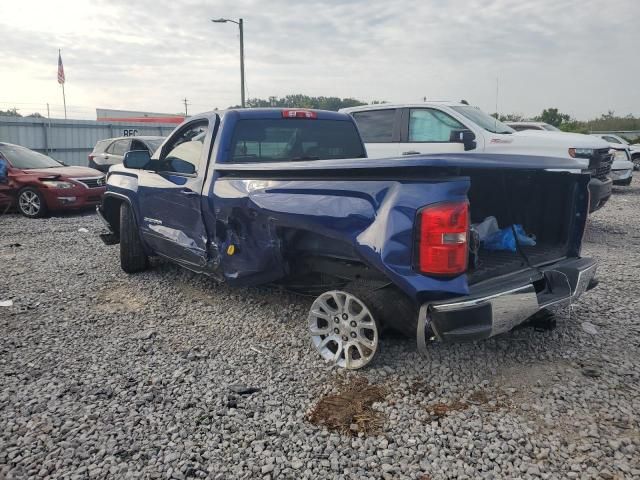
(60,70)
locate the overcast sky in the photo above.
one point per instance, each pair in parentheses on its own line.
(581,56)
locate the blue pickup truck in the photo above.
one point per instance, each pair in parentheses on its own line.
(287,196)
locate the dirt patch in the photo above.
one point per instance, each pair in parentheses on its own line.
(351,411)
(119,299)
(439,410)
(420,387)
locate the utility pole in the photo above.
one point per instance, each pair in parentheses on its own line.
(186,114)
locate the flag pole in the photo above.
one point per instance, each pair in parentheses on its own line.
(64,98)
(64,102)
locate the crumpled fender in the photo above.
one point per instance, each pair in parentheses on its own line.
(375,217)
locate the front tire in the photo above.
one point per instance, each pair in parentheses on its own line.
(132,255)
(31,203)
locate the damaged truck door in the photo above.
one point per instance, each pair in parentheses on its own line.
(287,196)
(169,196)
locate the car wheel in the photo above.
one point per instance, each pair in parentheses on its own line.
(344,328)
(31,203)
(636,162)
(132,255)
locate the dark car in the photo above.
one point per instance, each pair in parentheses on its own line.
(36,184)
(111,151)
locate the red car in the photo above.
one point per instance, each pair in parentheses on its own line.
(36,184)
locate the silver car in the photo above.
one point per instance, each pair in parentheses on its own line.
(111,151)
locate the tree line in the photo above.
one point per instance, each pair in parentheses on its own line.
(606,122)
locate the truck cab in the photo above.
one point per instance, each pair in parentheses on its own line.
(400,130)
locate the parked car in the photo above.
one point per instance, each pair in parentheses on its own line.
(111,151)
(286,196)
(441,127)
(617,141)
(621,168)
(36,184)
(520,126)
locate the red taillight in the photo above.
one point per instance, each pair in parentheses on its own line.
(443,237)
(91,157)
(299,114)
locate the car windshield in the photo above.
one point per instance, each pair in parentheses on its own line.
(551,128)
(486,121)
(154,144)
(23,158)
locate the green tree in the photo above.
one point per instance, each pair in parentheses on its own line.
(305,101)
(11,112)
(553,117)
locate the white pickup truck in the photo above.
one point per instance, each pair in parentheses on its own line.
(392,130)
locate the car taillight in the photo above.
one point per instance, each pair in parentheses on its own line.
(91,157)
(442,244)
(299,114)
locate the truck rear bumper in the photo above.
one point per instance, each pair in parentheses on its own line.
(500,308)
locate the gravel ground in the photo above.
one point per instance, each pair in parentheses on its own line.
(109,375)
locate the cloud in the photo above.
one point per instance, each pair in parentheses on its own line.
(576,54)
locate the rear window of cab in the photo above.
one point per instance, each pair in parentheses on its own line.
(282,140)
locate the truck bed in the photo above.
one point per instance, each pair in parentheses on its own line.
(495,263)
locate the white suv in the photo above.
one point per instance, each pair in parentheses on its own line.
(111,151)
(449,127)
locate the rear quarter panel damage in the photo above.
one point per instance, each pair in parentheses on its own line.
(377,217)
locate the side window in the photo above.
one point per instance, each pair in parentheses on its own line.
(185,150)
(376,126)
(119,147)
(428,125)
(611,139)
(138,145)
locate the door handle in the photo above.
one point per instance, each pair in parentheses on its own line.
(411,152)
(189,192)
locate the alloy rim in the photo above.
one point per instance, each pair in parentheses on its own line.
(343,329)
(29,203)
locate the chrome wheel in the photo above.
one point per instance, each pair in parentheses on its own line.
(29,203)
(343,329)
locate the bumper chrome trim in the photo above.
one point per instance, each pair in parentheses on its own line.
(508,308)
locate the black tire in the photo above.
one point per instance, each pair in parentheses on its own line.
(132,256)
(31,203)
(636,162)
(392,308)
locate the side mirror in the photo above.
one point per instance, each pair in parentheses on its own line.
(466,137)
(139,159)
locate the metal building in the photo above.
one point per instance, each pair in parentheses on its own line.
(71,141)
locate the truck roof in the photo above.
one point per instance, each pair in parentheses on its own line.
(380,106)
(271,113)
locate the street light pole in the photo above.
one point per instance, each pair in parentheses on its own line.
(241,64)
(240,25)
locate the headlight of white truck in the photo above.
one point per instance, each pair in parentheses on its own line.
(619,154)
(581,152)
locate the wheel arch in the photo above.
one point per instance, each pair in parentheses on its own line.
(110,209)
